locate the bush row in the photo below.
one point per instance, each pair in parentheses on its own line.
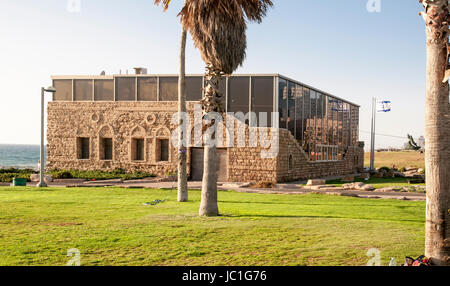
(98,175)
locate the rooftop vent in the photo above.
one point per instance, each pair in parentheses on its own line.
(140,70)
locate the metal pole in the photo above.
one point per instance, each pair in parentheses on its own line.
(372,147)
(42,168)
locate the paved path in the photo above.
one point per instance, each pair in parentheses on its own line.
(285,189)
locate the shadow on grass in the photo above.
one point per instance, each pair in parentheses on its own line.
(323,216)
(337,204)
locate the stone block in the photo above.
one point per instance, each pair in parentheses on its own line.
(364,176)
(348,179)
(316,182)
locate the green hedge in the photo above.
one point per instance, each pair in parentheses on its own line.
(8,177)
(98,175)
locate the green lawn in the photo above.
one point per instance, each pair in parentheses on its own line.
(112,227)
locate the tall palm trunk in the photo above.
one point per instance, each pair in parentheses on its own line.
(182,143)
(437,240)
(210,103)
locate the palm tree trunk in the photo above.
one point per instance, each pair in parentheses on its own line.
(182,150)
(437,134)
(210,103)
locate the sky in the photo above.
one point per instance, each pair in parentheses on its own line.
(340,47)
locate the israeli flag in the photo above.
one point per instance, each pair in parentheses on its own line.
(337,105)
(384,106)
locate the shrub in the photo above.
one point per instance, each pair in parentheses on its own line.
(98,175)
(385,169)
(264,185)
(62,175)
(17,171)
(8,177)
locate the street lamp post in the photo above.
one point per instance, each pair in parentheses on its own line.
(42,184)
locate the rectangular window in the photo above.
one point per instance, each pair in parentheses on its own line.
(238,94)
(313,124)
(319,119)
(262,98)
(194,91)
(126,88)
(63,90)
(83,150)
(106,149)
(299,112)
(291,107)
(306,115)
(83,90)
(104,90)
(137,149)
(168,89)
(282,102)
(147,89)
(163,150)
(330,131)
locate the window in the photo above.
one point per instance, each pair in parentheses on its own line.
(63,90)
(104,90)
(163,150)
(168,89)
(291,107)
(238,94)
(147,89)
(282,102)
(290,163)
(137,149)
(126,89)
(262,98)
(299,112)
(194,90)
(83,150)
(306,115)
(83,90)
(106,149)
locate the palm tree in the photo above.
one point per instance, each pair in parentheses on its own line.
(437,153)
(182,151)
(218,31)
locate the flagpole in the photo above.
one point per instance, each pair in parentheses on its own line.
(372,147)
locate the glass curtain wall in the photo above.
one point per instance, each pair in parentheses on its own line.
(262,99)
(299,110)
(323,125)
(282,103)
(291,107)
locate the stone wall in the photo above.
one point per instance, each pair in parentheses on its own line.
(121,121)
(151,121)
(302,168)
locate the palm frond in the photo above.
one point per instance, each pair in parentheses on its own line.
(218,28)
(165,3)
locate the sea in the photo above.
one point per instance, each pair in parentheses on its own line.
(19,156)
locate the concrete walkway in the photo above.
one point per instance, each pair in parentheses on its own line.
(284,189)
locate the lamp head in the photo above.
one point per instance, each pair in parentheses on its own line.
(50,89)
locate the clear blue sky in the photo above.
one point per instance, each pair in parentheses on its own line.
(337,46)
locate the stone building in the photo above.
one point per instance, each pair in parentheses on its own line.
(125,121)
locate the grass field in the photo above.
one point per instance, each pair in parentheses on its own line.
(111,226)
(399,159)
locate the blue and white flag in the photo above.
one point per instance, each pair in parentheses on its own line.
(384,106)
(337,105)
